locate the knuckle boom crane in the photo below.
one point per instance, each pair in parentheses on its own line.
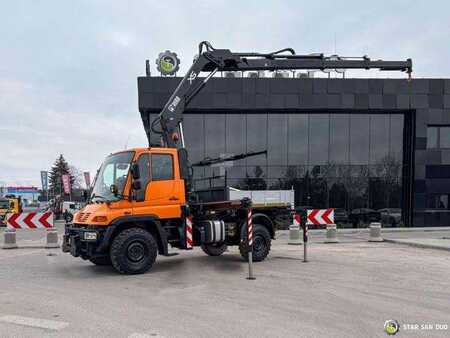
(141,198)
(211,61)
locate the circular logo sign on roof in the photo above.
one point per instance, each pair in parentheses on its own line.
(167,63)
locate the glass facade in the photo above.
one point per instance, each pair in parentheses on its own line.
(438,137)
(383,149)
(338,160)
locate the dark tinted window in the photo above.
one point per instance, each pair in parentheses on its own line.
(256,137)
(444,137)
(162,167)
(144,171)
(297,139)
(359,139)
(339,138)
(379,137)
(397,137)
(432,137)
(256,178)
(236,134)
(358,188)
(318,138)
(155,139)
(336,159)
(338,194)
(236,171)
(195,136)
(277,139)
(438,137)
(214,135)
(438,201)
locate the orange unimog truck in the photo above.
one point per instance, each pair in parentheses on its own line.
(142,199)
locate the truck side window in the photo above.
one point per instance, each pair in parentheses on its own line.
(162,167)
(144,170)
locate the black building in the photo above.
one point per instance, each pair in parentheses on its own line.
(341,143)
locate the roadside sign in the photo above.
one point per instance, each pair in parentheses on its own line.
(66,183)
(30,220)
(44,180)
(320,216)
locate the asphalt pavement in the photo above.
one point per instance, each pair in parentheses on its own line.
(347,289)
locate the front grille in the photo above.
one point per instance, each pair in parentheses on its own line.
(83,216)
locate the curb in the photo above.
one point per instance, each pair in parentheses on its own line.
(383,230)
(418,245)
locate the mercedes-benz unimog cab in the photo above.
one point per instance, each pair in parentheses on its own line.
(143,201)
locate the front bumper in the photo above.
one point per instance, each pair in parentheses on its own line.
(76,242)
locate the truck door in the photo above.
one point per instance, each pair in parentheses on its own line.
(157,195)
(162,179)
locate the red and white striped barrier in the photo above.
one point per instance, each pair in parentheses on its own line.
(189,241)
(250,244)
(320,216)
(297,220)
(30,220)
(250,228)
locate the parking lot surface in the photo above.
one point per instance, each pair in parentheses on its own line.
(346,290)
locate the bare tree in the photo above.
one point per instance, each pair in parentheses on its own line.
(77,175)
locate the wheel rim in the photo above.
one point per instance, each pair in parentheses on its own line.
(258,243)
(136,252)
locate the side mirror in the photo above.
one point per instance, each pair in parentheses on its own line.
(113,189)
(136,185)
(135,171)
(85,195)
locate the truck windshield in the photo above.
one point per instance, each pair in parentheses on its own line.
(114,170)
(4,204)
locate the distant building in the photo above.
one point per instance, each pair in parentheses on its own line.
(27,193)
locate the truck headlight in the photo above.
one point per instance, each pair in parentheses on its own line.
(90,236)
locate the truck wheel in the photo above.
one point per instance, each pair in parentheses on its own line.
(261,243)
(214,249)
(101,260)
(133,251)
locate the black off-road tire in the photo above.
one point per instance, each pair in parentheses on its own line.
(101,260)
(214,249)
(133,251)
(261,243)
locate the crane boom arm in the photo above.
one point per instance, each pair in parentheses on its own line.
(212,60)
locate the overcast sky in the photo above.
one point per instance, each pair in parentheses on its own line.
(68,68)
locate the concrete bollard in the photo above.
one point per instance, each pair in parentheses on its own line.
(9,239)
(294,231)
(52,239)
(331,234)
(375,232)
